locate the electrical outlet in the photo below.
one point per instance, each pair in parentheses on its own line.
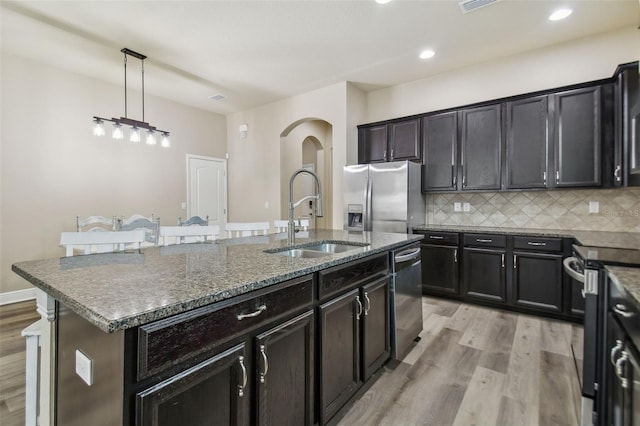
(266,204)
(457,207)
(466,207)
(84,367)
(594,207)
(184,205)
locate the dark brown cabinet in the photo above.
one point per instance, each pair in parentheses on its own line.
(440,265)
(481,148)
(284,359)
(627,130)
(376,344)
(393,141)
(537,280)
(339,352)
(212,392)
(484,275)
(440,140)
(577,137)
(527,142)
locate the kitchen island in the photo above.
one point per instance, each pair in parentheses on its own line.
(227,333)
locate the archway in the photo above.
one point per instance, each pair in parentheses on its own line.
(307,143)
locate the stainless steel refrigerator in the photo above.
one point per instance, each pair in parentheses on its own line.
(384,197)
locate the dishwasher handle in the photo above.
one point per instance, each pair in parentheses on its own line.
(407,255)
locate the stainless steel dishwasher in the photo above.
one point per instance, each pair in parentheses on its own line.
(406,299)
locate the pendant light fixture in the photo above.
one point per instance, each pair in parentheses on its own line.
(135,125)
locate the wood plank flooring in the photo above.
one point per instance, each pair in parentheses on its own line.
(478,366)
(473,366)
(13,319)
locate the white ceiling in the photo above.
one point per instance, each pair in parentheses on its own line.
(256,52)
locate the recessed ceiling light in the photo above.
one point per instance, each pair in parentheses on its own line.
(560,14)
(217,97)
(382,1)
(426,54)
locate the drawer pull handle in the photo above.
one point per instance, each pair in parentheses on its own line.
(502,260)
(484,240)
(263,374)
(244,376)
(536,244)
(455,256)
(620,364)
(436,237)
(368,306)
(260,310)
(622,310)
(359,308)
(515,261)
(614,352)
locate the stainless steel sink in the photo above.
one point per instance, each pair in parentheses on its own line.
(317,249)
(332,247)
(301,253)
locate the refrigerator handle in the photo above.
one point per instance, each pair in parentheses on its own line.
(368,220)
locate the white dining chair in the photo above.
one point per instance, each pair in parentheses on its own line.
(188,234)
(283,225)
(101,242)
(194,220)
(246,229)
(96,223)
(150,226)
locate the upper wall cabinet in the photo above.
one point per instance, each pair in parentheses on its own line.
(440,139)
(394,141)
(577,137)
(527,137)
(626,170)
(481,143)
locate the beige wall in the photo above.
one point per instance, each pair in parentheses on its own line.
(53,168)
(590,58)
(254,163)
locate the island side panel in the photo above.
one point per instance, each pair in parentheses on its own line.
(79,403)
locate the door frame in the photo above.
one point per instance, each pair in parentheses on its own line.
(189,157)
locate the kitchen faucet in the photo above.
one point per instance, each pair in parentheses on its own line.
(291,227)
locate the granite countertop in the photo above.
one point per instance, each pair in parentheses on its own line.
(628,240)
(116,291)
(628,281)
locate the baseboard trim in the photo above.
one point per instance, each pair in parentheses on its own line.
(17,296)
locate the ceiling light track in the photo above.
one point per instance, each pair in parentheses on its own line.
(136,125)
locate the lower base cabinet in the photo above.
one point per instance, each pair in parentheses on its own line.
(484,275)
(212,392)
(537,281)
(439,269)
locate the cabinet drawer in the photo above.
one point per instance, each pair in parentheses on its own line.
(537,243)
(440,238)
(344,277)
(485,240)
(185,336)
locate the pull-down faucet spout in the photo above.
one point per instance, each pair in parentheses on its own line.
(291,229)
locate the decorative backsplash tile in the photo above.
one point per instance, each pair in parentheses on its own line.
(619,209)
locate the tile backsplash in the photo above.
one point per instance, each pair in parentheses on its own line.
(619,209)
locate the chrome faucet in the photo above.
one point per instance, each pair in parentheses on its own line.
(291,230)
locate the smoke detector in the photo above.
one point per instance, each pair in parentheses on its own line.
(471,5)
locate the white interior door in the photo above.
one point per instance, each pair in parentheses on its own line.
(207,188)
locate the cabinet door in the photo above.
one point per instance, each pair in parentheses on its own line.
(537,281)
(284,373)
(372,144)
(212,392)
(481,147)
(633,385)
(615,393)
(376,341)
(484,274)
(527,142)
(404,141)
(577,137)
(440,136)
(339,352)
(439,269)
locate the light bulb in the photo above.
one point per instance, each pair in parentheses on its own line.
(166,143)
(117,132)
(98,127)
(134,135)
(151,138)
(560,14)
(426,54)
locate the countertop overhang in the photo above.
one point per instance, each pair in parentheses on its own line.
(117,291)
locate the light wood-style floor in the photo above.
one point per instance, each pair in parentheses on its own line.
(479,366)
(473,366)
(13,319)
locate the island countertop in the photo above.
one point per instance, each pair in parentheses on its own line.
(116,291)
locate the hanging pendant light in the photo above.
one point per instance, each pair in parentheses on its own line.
(135,125)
